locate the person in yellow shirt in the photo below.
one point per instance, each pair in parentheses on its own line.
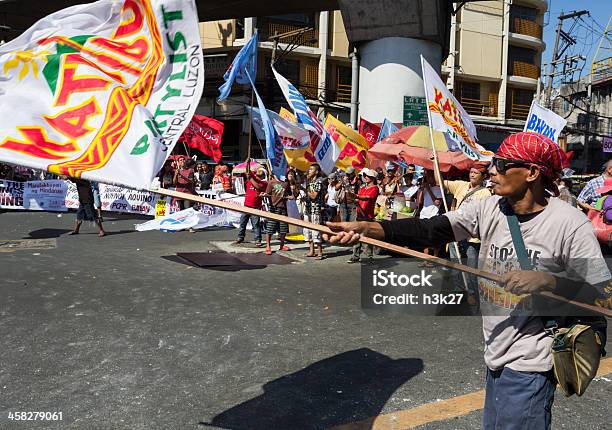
(463,192)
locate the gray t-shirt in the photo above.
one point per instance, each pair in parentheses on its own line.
(559,240)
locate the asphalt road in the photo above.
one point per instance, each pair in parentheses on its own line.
(117,333)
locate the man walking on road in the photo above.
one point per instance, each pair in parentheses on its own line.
(558,238)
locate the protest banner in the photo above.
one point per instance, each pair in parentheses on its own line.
(369,130)
(387,128)
(448,116)
(353,146)
(186,219)
(105,89)
(325,151)
(11,194)
(544,121)
(47,195)
(265,130)
(300,158)
(125,200)
(204,134)
(72,196)
(607,144)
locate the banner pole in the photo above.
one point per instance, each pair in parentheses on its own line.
(250,123)
(438,174)
(367,240)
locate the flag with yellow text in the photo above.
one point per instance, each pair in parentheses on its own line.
(101,91)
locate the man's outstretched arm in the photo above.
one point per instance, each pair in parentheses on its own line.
(411,232)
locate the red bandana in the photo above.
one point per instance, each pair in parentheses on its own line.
(535,148)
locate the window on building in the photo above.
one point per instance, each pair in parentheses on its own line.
(469,90)
(523,12)
(524,55)
(343,84)
(240,28)
(279,24)
(519,103)
(522,97)
(309,86)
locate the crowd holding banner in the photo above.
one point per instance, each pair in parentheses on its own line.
(60,195)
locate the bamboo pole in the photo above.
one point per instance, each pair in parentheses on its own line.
(367,240)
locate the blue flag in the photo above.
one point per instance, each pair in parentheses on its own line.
(274,147)
(244,64)
(387,128)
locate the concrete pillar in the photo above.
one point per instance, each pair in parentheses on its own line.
(390,68)
(354,89)
(249,27)
(503,87)
(452,53)
(323,44)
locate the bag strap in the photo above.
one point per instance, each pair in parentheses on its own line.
(550,323)
(475,190)
(519,243)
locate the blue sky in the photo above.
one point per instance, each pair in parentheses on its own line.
(600,10)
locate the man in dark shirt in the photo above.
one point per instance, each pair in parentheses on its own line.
(86,211)
(205,176)
(279,192)
(315,204)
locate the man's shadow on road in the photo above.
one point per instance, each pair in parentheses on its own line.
(352,386)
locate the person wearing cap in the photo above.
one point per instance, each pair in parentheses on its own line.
(255,187)
(520,383)
(589,195)
(366,202)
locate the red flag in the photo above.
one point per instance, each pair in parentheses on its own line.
(204,134)
(369,130)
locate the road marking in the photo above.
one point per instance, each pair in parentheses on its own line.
(436,411)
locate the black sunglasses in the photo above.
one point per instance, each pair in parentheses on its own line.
(503,164)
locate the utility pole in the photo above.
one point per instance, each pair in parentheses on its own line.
(551,71)
(568,41)
(587,126)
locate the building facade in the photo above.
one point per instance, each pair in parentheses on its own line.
(494,63)
(493,66)
(315,60)
(590,124)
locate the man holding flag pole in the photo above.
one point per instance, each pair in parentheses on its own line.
(536,243)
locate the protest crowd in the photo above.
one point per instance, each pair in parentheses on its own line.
(461,202)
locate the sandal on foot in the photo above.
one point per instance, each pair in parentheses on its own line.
(268,251)
(309,255)
(284,248)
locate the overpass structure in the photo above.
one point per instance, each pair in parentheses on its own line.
(389,37)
